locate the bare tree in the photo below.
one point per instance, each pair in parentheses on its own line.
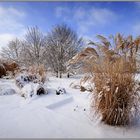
(62,44)
(33,46)
(12,51)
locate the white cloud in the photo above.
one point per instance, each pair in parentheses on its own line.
(94,18)
(136,28)
(11,19)
(11,24)
(79,13)
(102,16)
(60,11)
(12,11)
(64,13)
(85,19)
(4,38)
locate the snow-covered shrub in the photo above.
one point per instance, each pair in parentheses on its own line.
(75,85)
(22,79)
(60,90)
(113,68)
(30,85)
(31,82)
(32,89)
(7,91)
(86,83)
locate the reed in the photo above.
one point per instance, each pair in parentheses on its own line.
(112,65)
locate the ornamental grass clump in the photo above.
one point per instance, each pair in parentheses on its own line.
(113,66)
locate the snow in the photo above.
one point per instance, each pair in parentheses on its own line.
(30,89)
(60,90)
(6,88)
(7,91)
(24,78)
(52,116)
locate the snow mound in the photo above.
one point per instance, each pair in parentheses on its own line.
(23,79)
(7,91)
(32,89)
(75,85)
(60,90)
(60,103)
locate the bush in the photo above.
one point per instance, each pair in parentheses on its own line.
(113,67)
(2,70)
(39,71)
(32,89)
(31,81)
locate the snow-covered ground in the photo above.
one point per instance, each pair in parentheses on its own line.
(54,116)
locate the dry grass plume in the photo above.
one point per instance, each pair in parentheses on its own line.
(112,65)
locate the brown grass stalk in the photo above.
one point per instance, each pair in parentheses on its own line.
(113,68)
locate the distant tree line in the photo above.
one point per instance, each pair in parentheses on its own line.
(53,50)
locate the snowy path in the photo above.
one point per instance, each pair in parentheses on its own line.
(53,116)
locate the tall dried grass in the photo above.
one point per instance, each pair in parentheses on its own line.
(39,72)
(113,67)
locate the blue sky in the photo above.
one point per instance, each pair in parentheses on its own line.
(87,18)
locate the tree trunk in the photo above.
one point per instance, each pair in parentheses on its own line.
(57,74)
(60,76)
(68,75)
